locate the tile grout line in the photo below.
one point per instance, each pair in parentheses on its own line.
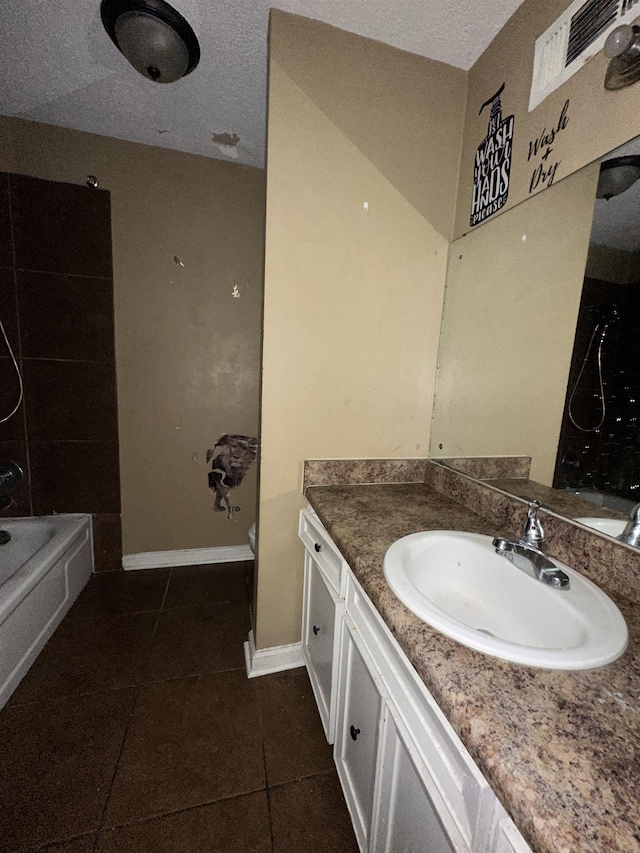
(316,775)
(145,683)
(264,762)
(23,404)
(138,688)
(49,845)
(140,821)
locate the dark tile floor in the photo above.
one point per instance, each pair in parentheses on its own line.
(137,730)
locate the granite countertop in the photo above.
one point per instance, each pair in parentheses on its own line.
(559,500)
(560,749)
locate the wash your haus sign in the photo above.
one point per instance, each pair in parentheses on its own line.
(492,165)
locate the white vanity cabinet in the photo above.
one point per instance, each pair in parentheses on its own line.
(358,711)
(321,615)
(409,782)
(403,794)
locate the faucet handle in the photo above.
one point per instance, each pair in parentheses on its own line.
(533,533)
(631,533)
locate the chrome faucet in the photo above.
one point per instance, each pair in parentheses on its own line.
(631,533)
(529,554)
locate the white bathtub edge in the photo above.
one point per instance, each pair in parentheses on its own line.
(30,622)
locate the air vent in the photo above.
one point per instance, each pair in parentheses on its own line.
(574,38)
(586,25)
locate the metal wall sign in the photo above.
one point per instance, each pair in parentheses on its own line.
(492,165)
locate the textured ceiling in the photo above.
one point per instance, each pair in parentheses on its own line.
(58,66)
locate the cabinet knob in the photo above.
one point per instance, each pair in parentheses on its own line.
(318,547)
(354,732)
(316,630)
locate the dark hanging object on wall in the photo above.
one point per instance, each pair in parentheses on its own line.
(153,37)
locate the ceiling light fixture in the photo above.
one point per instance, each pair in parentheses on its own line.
(617,175)
(622,49)
(152,36)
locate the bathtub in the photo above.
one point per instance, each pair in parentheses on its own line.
(43,568)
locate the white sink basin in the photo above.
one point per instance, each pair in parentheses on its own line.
(610,526)
(459,585)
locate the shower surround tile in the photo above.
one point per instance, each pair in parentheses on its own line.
(70,400)
(64,228)
(8,313)
(66,317)
(16,451)
(6,243)
(107,542)
(56,301)
(13,429)
(75,476)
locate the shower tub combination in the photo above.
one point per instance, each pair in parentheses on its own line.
(43,568)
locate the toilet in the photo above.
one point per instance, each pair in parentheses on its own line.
(252,538)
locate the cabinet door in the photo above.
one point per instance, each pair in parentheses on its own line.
(318,632)
(357,723)
(405,818)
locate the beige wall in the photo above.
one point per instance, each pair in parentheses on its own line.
(513,293)
(352,297)
(187,351)
(598,120)
(511,306)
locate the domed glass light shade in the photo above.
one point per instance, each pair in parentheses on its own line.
(622,48)
(152,36)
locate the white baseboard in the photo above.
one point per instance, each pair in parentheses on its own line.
(187,557)
(275,659)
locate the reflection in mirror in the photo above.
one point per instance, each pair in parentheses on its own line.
(512,380)
(599,448)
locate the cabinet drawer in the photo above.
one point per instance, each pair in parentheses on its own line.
(318,543)
(459,788)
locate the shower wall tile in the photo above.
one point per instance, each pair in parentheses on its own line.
(75,476)
(8,312)
(70,400)
(6,247)
(16,451)
(57,307)
(63,228)
(13,429)
(107,543)
(66,317)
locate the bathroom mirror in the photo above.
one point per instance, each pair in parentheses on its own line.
(538,350)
